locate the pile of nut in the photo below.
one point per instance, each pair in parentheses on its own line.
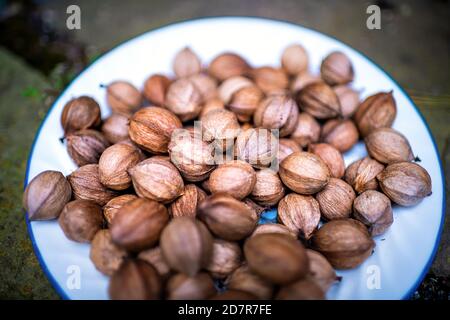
(171,186)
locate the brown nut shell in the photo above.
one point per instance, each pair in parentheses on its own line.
(184,99)
(186,205)
(276,257)
(186,63)
(286,147)
(226,217)
(388,146)
(348,99)
(300,214)
(268,189)
(154,257)
(374,210)
(274,228)
(183,287)
(80,113)
(320,270)
(186,245)
(110,209)
(331,156)
(80,220)
(155,89)
(294,59)
(243,279)
(405,183)
(304,172)
(46,195)
(227,65)
(123,97)
(226,257)
(336,199)
(86,146)
(361,174)
(307,130)
(106,256)
(151,128)
(336,68)
(319,100)
(341,134)
(138,224)
(345,243)
(270,80)
(135,280)
(115,128)
(258,147)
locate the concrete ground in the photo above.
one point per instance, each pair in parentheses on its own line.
(412,46)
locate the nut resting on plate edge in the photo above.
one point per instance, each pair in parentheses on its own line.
(174,197)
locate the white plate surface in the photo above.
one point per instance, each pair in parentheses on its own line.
(402,255)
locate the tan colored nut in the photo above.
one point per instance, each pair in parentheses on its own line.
(106,256)
(123,97)
(374,210)
(110,209)
(155,89)
(336,200)
(186,205)
(341,134)
(331,156)
(388,146)
(183,287)
(361,174)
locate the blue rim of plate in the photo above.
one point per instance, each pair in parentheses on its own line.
(419,280)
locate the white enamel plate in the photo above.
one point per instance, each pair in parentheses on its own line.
(402,255)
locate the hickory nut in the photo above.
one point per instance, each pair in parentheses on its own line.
(79,114)
(227,65)
(361,174)
(154,257)
(245,101)
(276,257)
(187,203)
(345,243)
(258,147)
(405,183)
(319,100)
(151,128)
(243,279)
(270,80)
(307,130)
(220,126)
(155,89)
(186,63)
(377,111)
(183,287)
(374,210)
(226,257)
(123,97)
(46,195)
(115,128)
(336,199)
(80,220)
(184,99)
(274,228)
(157,179)
(186,245)
(300,214)
(336,68)
(331,156)
(304,172)
(341,134)
(110,209)
(286,147)
(106,256)
(226,217)
(294,59)
(268,189)
(388,146)
(348,99)
(137,225)
(86,146)
(320,270)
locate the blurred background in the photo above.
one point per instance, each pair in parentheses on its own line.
(39,56)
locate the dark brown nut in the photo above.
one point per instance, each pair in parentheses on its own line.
(135,280)
(341,134)
(183,287)
(258,147)
(210,105)
(307,130)
(243,279)
(276,257)
(268,189)
(374,210)
(186,205)
(110,209)
(331,156)
(270,80)
(206,85)
(86,185)
(274,228)
(345,243)
(336,68)
(157,179)
(151,128)
(114,164)
(245,101)
(186,245)
(254,206)
(361,174)
(294,59)
(304,289)
(320,270)
(336,199)
(319,100)
(115,128)
(302,80)
(221,127)
(226,257)
(304,173)
(227,65)
(105,255)
(46,195)
(186,63)
(192,156)
(86,146)
(388,146)
(230,86)
(123,97)
(80,220)
(236,178)
(234,295)
(348,99)
(405,183)
(155,89)
(277,112)
(138,224)
(226,217)
(80,113)
(154,257)
(286,147)
(376,111)
(184,99)
(300,214)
